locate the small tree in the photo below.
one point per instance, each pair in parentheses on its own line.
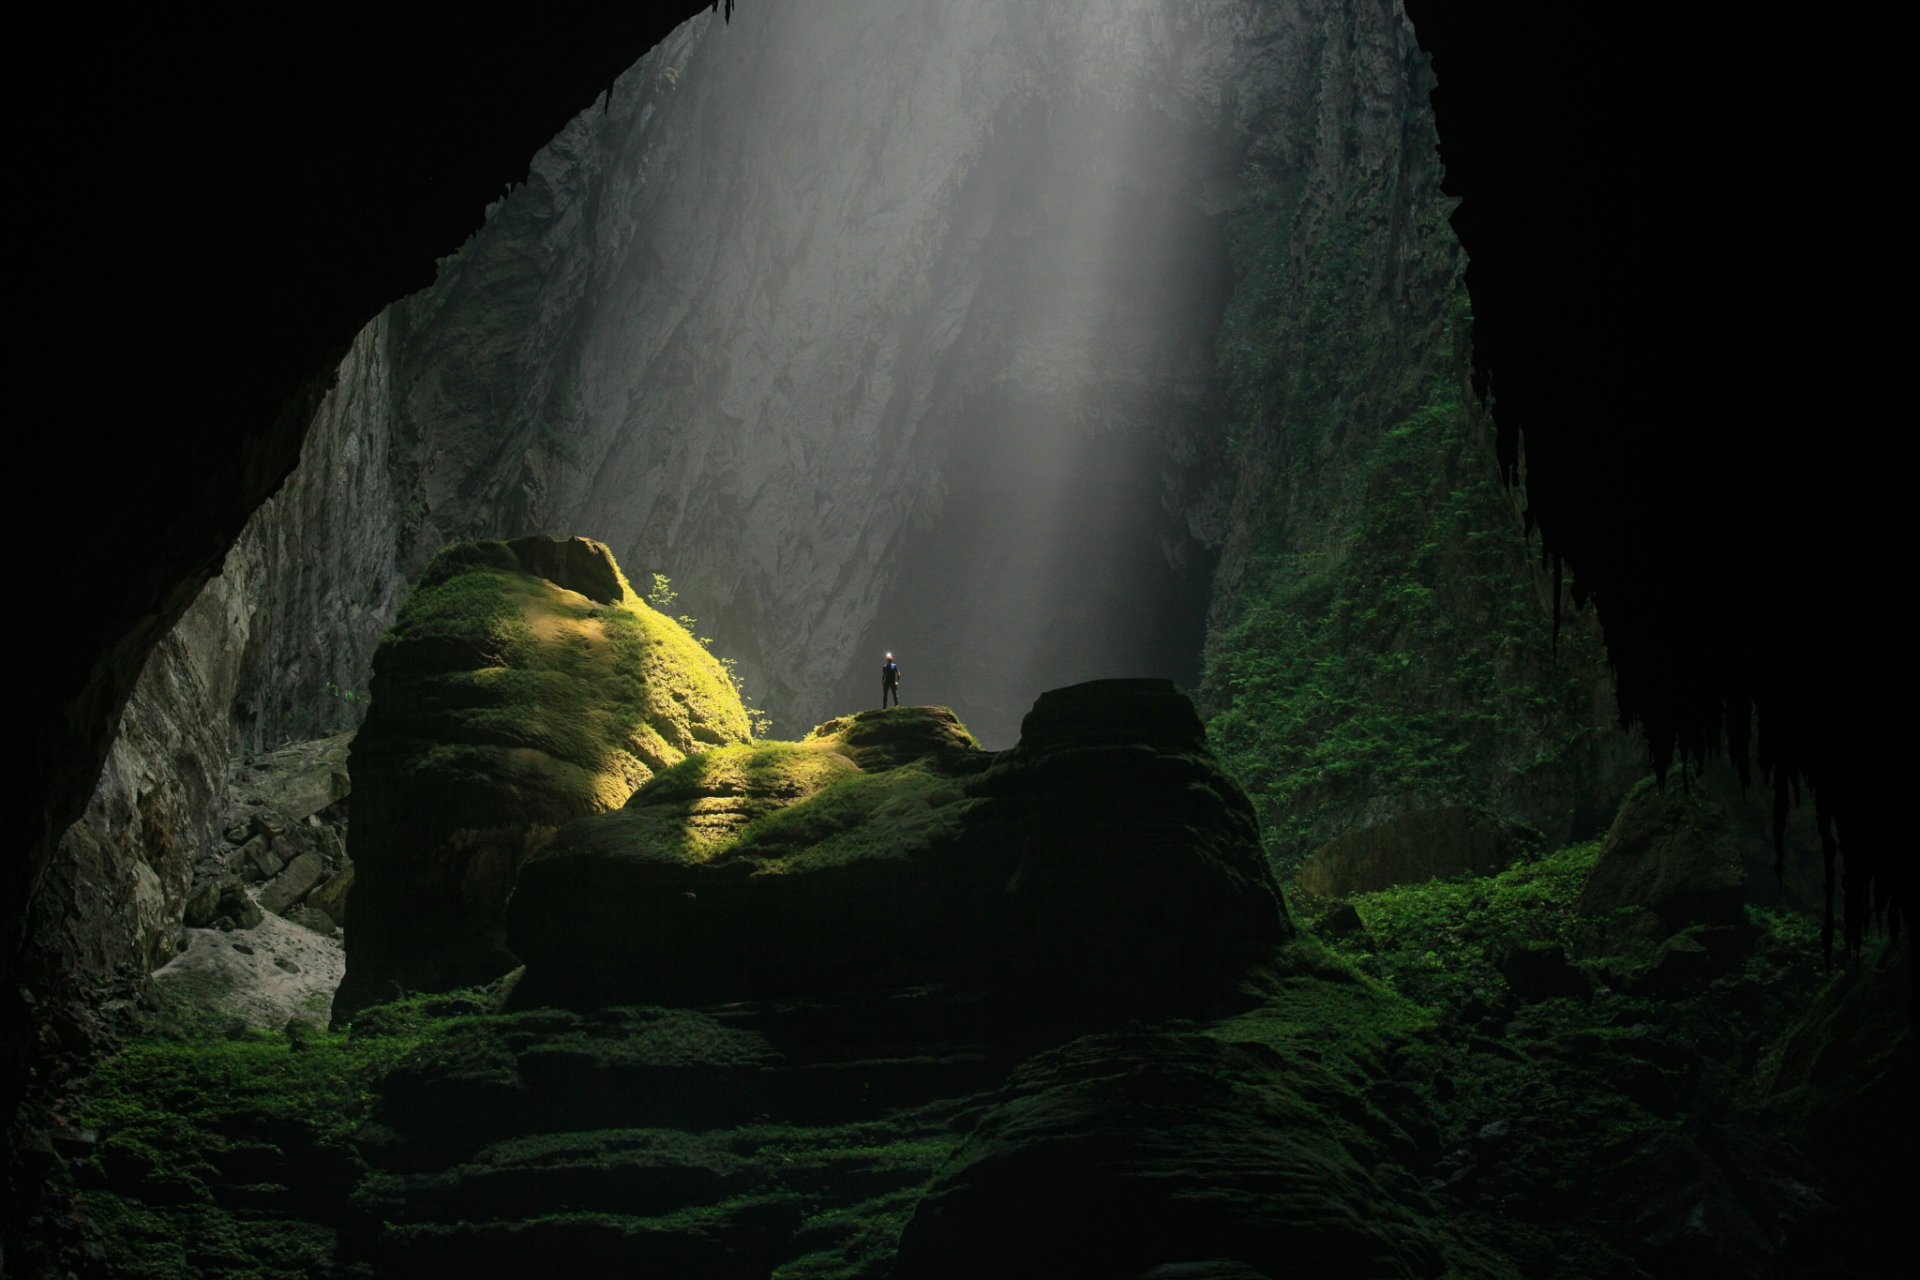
(661,596)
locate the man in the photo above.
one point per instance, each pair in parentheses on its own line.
(889,682)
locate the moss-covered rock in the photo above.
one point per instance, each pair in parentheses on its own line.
(1106,858)
(1127,862)
(1672,851)
(523,685)
(1118,1154)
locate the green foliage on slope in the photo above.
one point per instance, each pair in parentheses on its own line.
(499,659)
(1383,638)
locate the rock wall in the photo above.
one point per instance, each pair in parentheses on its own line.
(1381,641)
(276,647)
(873,327)
(113,895)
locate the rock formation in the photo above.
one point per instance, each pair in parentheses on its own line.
(880,1003)
(1008,455)
(523,686)
(1672,852)
(116,891)
(1105,860)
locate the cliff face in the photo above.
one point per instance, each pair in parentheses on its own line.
(1380,646)
(114,892)
(874,329)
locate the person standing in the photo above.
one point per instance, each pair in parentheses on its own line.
(889,681)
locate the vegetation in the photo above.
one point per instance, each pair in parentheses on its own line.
(1392,1060)
(222,1146)
(607,694)
(662,597)
(1563,1124)
(1438,942)
(809,799)
(1385,637)
(239,1152)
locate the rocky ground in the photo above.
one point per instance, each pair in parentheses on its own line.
(880,1003)
(263,928)
(258,944)
(1593,1062)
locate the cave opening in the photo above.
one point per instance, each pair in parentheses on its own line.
(1041,346)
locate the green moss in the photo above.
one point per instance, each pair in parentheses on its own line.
(1437,942)
(1315,997)
(842,794)
(1384,635)
(630,1037)
(479,609)
(166,1243)
(851,1242)
(858,817)
(502,661)
(704,805)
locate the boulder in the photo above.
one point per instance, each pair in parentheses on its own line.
(1412,847)
(302,778)
(1107,859)
(1343,921)
(1683,962)
(1672,851)
(223,900)
(311,918)
(202,905)
(258,860)
(292,883)
(1130,864)
(237,908)
(523,686)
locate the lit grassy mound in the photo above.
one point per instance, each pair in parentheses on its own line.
(1107,856)
(524,685)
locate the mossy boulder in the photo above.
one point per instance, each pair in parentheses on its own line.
(1107,859)
(775,866)
(1127,868)
(1672,851)
(524,685)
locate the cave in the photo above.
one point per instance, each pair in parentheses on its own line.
(1375,469)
